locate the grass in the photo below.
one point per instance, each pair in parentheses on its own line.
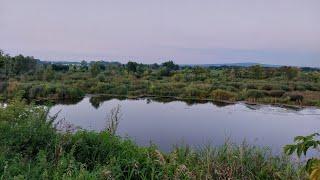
(31,148)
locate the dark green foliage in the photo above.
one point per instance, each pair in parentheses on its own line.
(255,94)
(132,66)
(17,65)
(25,130)
(251,86)
(290,72)
(267,87)
(295,97)
(256,72)
(276,93)
(222,95)
(301,146)
(94,69)
(60,67)
(170,66)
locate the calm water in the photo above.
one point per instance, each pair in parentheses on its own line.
(176,122)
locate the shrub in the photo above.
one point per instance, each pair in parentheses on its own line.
(25,130)
(75,93)
(267,87)
(36,91)
(251,86)
(255,94)
(3,86)
(276,93)
(299,87)
(101,77)
(295,97)
(236,85)
(222,95)
(285,88)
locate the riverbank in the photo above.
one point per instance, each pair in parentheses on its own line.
(31,148)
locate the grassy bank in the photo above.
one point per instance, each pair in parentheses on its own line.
(32,148)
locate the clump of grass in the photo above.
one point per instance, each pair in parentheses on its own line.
(113,119)
(222,95)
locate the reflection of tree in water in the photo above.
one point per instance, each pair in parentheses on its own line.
(189,102)
(55,102)
(221,104)
(161,99)
(253,107)
(96,101)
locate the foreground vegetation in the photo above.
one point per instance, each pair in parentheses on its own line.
(31,147)
(44,80)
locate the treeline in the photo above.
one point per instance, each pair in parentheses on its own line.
(20,64)
(46,80)
(16,65)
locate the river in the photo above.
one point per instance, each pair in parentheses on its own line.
(167,123)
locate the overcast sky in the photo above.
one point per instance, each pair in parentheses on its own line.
(148,31)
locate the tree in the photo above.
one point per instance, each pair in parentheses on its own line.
(132,66)
(170,65)
(60,67)
(256,71)
(1,62)
(84,65)
(94,69)
(290,72)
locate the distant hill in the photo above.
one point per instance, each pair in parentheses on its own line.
(78,62)
(247,64)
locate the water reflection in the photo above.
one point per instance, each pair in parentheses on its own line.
(96,101)
(166,122)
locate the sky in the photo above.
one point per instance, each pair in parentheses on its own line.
(284,32)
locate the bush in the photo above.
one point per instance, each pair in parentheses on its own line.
(276,93)
(299,87)
(251,86)
(222,95)
(255,94)
(285,88)
(36,91)
(295,97)
(25,130)
(3,86)
(101,77)
(267,87)
(236,85)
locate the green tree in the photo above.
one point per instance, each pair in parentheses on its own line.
(132,66)
(170,65)
(290,72)
(84,65)
(95,69)
(1,62)
(256,71)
